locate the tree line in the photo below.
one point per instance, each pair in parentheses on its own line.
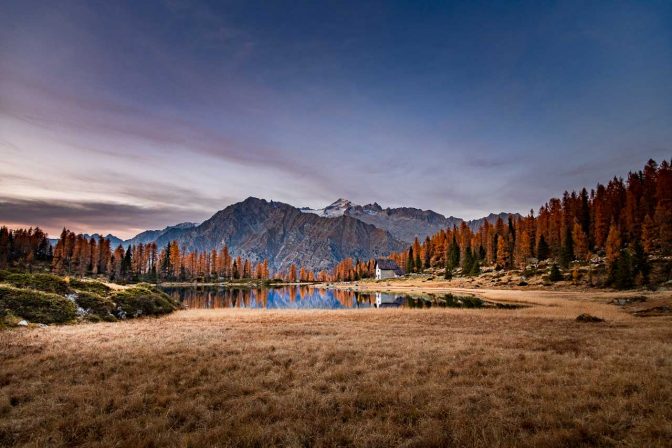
(626,222)
(76,255)
(23,247)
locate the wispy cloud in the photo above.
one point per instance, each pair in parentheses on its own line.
(120,219)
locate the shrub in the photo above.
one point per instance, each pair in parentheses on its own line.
(90,286)
(37,306)
(555,274)
(97,307)
(142,301)
(40,282)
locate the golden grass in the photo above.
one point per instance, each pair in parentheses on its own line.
(438,377)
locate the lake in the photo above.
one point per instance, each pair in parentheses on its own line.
(308,297)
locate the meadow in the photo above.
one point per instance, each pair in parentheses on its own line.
(439,377)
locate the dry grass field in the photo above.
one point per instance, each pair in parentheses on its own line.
(440,377)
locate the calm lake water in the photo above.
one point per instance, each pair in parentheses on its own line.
(306,297)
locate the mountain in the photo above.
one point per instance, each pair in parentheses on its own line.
(161,237)
(404,223)
(259,229)
(114,241)
(315,238)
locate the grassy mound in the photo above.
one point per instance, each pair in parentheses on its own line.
(142,300)
(36,306)
(90,286)
(97,307)
(46,298)
(40,282)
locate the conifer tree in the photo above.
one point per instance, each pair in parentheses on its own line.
(475,268)
(166,265)
(620,271)
(640,264)
(542,249)
(126,264)
(454,253)
(468,262)
(410,265)
(567,250)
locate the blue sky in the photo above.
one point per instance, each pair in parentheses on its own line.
(120,116)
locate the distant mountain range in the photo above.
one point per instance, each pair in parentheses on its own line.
(315,238)
(404,223)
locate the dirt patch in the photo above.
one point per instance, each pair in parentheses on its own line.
(662,310)
(589,318)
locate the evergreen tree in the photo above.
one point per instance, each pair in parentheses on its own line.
(567,250)
(409,261)
(620,275)
(126,263)
(428,254)
(475,268)
(166,265)
(468,262)
(418,262)
(640,264)
(542,248)
(585,212)
(481,253)
(454,254)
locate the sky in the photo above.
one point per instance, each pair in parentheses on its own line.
(121,116)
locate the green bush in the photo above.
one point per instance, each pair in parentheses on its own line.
(142,301)
(40,282)
(555,275)
(97,307)
(90,286)
(36,306)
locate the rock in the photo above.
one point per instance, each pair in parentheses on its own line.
(588,318)
(22,323)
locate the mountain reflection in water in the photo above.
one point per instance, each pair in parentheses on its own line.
(308,297)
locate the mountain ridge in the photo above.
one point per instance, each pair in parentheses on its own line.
(404,223)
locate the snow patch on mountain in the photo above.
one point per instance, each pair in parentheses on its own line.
(333,210)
